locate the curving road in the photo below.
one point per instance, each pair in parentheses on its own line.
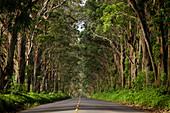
(82,105)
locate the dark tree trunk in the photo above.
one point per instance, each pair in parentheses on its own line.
(52,80)
(49,81)
(37,67)
(56,81)
(10,55)
(114,76)
(168,65)
(30,66)
(30,72)
(21,58)
(1,79)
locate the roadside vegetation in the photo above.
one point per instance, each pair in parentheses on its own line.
(18,101)
(154,98)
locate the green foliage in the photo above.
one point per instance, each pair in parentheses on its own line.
(126,70)
(156,49)
(139,81)
(162,79)
(151,97)
(16,101)
(151,77)
(16,87)
(45,39)
(112,16)
(112,69)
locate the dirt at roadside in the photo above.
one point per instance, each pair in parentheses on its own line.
(144,108)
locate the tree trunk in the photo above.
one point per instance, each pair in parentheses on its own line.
(49,81)
(142,19)
(43,84)
(38,85)
(37,67)
(122,65)
(114,76)
(145,62)
(168,65)
(21,58)
(139,62)
(30,65)
(56,81)
(2,76)
(52,79)
(10,55)
(30,72)
(162,38)
(44,74)
(1,79)
(97,82)
(131,66)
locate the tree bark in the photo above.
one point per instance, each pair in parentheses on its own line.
(44,74)
(122,65)
(52,79)
(142,19)
(49,82)
(145,61)
(21,58)
(10,55)
(168,65)
(114,76)
(30,64)
(139,62)
(1,79)
(37,67)
(162,38)
(30,71)
(56,81)
(43,84)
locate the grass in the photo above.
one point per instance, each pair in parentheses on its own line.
(18,101)
(150,97)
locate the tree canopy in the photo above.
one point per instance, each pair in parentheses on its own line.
(122,45)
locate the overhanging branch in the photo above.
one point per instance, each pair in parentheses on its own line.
(111,43)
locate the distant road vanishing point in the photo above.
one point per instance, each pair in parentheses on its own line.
(81,105)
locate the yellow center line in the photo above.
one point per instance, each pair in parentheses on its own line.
(77,106)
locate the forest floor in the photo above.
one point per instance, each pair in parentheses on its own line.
(18,101)
(155,100)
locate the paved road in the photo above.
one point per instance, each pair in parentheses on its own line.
(83,105)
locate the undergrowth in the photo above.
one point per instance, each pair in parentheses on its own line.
(150,97)
(18,101)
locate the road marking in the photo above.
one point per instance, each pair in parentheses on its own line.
(77,106)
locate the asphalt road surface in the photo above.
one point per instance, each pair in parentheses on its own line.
(81,105)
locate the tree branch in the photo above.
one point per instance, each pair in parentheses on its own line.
(111,43)
(59,5)
(43,8)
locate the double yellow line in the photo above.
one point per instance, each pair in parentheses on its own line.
(77,106)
